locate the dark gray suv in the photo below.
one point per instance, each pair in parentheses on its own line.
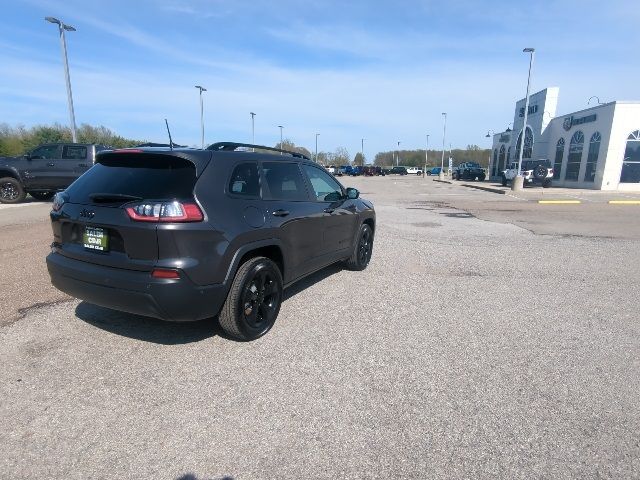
(188,234)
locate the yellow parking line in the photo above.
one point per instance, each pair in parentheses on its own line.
(560,202)
(624,202)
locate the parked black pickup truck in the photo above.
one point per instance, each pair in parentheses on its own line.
(468,171)
(45,170)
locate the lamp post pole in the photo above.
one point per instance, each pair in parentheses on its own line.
(63,43)
(281,146)
(426,157)
(444,134)
(398,156)
(316,159)
(202,89)
(362,152)
(253,130)
(518,182)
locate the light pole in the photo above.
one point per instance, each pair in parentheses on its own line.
(362,152)
(490,133)
(444,134)
(316,159)
(202,89)
(518,182)
(426,157)
(61,28)
(253,130)
(398,156)
(281,147)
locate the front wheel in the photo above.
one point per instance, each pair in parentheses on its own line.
(363,249)
(11,190)
(254,300)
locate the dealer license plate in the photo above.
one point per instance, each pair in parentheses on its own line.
(95,238)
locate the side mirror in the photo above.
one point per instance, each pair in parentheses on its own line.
(352,193)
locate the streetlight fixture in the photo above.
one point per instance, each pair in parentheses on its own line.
(61,28)
(253,131)
(518,182)
(597,98)
(316,159)
(489,134)
(444,134)
(202,89)
(281,147)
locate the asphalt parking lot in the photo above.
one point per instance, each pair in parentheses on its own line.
(490,337)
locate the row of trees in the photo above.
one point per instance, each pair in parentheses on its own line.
(416,158)
(15,141)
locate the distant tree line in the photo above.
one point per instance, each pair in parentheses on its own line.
(416,158)
(16,141)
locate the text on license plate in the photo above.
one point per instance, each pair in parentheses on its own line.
(95,238)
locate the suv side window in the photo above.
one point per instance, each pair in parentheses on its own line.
(74,152)
(46,152)
(325,188)
(245,180)
(284,181)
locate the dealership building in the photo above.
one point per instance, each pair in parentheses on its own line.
(596,148)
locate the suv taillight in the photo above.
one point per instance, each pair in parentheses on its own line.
(58,201)
(165,212)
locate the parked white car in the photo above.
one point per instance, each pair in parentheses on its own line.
(414,170)
(533,171)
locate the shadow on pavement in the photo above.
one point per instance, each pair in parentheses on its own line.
(175,333)
(146,328)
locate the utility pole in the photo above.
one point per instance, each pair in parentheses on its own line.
(426,157)
(253,130)
(444,134)
(362,152)
(202,89)
(281,147)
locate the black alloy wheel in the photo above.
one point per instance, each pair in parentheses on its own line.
(540,172)
(363,250)
(11,190)
(254,300)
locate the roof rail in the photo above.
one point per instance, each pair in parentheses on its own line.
(232,146)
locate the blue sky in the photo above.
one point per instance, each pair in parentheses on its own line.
(379,70)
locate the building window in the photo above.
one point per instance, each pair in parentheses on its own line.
(557,163)
(575,156)
(528,144)
(508,155)
(592,157)
(495,162)
(631,163)
(501,160)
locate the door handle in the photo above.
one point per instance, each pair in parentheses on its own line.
(280,213)
(82,164)
(51,164)
(328,210)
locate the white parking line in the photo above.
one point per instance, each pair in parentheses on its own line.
(17,205)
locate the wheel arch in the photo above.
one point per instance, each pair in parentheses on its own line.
(9,172)
(271,248)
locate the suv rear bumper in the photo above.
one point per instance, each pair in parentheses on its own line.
(135,292)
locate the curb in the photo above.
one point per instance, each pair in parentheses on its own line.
(486,189)
(624,202)
(559,202)
(442,181)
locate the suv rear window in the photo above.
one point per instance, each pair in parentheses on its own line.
(149,176)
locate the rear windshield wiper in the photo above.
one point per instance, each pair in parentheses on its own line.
(113,197)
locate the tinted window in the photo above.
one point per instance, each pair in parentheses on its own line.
(74,152)
(46,151)
(325,188)
(284,181)
(245,180)
(152,177)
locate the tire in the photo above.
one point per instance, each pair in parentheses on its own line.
(11,190)
(540,172)
(504,181)
(428,174)
(42,196)
(253,301)
(546,183)
(362,250)
(481,178)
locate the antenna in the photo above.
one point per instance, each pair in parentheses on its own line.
(169,132)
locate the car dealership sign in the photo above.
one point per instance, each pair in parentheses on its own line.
(571,121)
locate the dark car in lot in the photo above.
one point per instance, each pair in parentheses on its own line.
(372,171)
(188,234)
(397,171)
(468,171)
(44,170)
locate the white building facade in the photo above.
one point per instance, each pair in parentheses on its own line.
(596,148)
